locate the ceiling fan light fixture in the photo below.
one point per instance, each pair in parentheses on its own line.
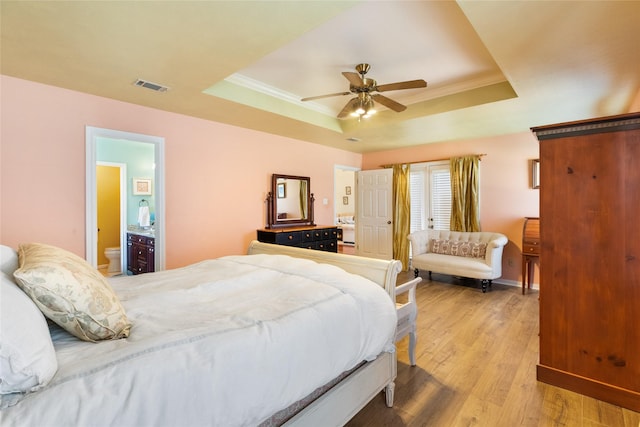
(366,90)
(370,107)
(364,108)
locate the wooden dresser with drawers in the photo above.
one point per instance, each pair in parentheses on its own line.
(321,238)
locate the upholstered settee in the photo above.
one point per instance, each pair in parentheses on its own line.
(476,255)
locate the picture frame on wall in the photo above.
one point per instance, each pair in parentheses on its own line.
(141,186)
(282,190)
(535,173)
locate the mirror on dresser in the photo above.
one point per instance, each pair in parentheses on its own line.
(290,201)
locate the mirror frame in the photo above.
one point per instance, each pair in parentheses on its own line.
(272,203)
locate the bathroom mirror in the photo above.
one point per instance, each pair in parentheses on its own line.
(290,201)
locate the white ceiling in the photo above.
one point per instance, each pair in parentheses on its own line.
(492,68)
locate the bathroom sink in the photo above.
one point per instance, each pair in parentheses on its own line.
(142,231)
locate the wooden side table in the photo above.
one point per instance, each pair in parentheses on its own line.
(530,250)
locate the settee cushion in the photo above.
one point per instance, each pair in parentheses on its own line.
(453,265)
(458,248)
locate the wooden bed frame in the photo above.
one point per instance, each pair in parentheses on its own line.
(340,403)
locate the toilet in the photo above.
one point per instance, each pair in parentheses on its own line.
(113,255)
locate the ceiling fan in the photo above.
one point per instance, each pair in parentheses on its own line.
(363,87)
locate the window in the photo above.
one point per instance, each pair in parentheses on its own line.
(430,190)
(417,194)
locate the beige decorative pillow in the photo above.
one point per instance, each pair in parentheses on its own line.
(71,293)
(458,248)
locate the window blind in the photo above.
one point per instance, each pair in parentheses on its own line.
(440,179)
(417,194)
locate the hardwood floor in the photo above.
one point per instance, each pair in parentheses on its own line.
(476,366)
(346,249)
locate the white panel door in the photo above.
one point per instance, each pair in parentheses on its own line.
(374,213)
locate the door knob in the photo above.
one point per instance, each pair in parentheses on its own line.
(388,222)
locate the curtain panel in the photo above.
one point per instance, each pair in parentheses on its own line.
(401,214)
(465,190)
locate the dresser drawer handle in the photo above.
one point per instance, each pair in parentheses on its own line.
(290,237)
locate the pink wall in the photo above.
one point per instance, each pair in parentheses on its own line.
(217,176)
(506,194)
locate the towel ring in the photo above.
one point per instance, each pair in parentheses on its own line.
(143,202)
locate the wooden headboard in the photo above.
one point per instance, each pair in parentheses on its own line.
(380,271)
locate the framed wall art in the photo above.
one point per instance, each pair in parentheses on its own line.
(141,186)
(282,190)
(535,173)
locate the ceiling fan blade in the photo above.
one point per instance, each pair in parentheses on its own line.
(325,96)
(389,103)
(348,108)
(410,84)
(354,78)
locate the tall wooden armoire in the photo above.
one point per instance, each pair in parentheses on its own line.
(590,258)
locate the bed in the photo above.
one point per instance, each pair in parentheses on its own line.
(239,340)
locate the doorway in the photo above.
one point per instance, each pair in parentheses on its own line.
(94,137)
(430,185)
(344,202)
(111,181)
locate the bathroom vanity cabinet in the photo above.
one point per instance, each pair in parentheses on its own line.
(140,253)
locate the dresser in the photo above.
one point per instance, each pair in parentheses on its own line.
(590,258)
(141,256)
(530,250)
(321,238)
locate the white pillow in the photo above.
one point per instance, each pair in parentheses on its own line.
(8,260)
(27,358)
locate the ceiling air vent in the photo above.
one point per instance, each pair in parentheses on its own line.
(150,85)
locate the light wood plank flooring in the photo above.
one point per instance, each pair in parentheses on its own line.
(476,366)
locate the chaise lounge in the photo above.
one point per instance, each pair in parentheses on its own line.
(477,255)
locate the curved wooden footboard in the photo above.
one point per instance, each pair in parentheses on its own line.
(380,271)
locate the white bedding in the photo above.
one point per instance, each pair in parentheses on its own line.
(224,342)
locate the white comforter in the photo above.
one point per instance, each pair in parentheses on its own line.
(224,342)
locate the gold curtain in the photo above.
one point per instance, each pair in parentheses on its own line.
(465,215)
(303,199)
(401,214)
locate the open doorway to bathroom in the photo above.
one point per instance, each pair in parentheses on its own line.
(111,209)
(143,156)
(344,179)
